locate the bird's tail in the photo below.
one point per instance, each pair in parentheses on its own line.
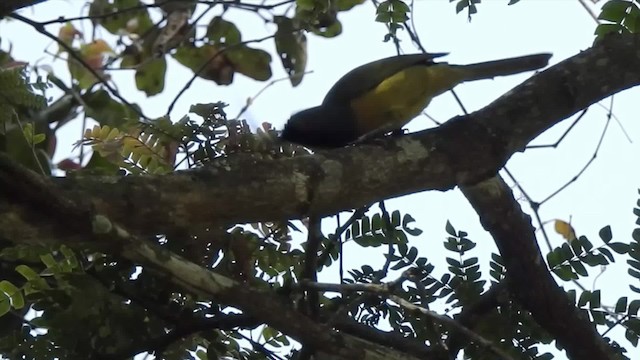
(516,65)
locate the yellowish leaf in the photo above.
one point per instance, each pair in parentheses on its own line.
(565,229)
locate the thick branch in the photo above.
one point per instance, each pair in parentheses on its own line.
(464,150)
(36,196)
(529,279)
(9,6)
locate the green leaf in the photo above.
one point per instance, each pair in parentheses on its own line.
(5,303)
(406,220)
(618,247)
(599,317)
(223,32)
(105,110)
(305,4)
(594,302)
(565,273)
(27,272)
(344,5)
(453,262)
(585,298)
(579,268)
(604,29)
(17,300)
(614,10)
(607,253)
(332,30)
(128,15)
(355,230)
(605,234)
(395,218)
(291,45)
(621,305)
(634,305)
(412,254)
(461,5)
(399,265)
(450,229)
(365,223)
(207,61)
(150,76)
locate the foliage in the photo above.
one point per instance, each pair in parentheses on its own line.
(619,16)
(79,302)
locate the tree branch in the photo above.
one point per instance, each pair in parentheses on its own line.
(529,279)
(9,6)
(42,198)
(465,150)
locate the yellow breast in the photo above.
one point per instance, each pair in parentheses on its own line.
(401,97)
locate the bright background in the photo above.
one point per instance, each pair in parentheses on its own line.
(604,195)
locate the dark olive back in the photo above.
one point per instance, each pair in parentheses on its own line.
(366,77)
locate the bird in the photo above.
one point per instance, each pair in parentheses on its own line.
(384,95)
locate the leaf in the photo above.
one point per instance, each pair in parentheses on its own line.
(585,298)
(621,305)
(106,111)
(150,76)
(291,45)
(344,5)
(406,220)
(450,229)
(579,268)
(27,272)
(129,16)
(565,273)
(223,32)
(5,303)
(254,63)
(208,62)
(565,229)
(633,308)
(412,254)
(614,10)
(17,300)
(594,302)
(605,234)
(618,247)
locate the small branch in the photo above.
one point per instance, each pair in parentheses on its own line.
(470,335)
(39,27)
(529,279)
(9,6)
(385,291)
(193,78)
(160,343)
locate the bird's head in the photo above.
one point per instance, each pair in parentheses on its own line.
(321,127)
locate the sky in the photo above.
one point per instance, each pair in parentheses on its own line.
(604,195)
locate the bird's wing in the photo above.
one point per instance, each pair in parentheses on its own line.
(368,76)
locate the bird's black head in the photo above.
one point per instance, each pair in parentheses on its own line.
(321,127)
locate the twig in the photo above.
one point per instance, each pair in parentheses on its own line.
(39,27)
(385,291)
(589,10)
(585,167)
(334,238)
(62,19)
(451,323)
(204,66)
(555,145)
(264,88)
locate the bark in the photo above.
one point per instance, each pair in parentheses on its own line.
(465,150)
(9,6)
(529,279)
